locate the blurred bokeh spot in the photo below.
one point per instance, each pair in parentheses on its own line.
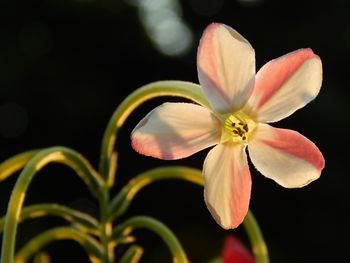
(163,23)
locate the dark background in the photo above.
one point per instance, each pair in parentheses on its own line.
(65,65)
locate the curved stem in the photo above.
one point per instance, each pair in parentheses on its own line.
(132,255)
(256,238)
(182,89)
(160,229)
(85,222)
(120,203)
(41,257)
(93,248)
(15,163)
(54,154)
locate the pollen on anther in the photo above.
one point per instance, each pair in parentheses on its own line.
(245,127)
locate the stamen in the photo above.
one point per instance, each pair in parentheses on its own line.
(245,127)
(237,128)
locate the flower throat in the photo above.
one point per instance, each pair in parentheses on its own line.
(237,128)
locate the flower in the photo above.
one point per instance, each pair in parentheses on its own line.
(242,104)
(234,252)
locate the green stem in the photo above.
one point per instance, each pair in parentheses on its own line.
(15,163)
(41,257)
(256,238)
(182,89)
(160,229)
(44,157)
(121,202)
(93,248)
(132,255)
(106,229)
(84,221)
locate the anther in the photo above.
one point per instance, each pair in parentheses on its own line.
(245,127)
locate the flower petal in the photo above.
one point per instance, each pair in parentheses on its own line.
(285,156)
(175,130)
(227,184)
(226,67)
(234,252)
(285,85)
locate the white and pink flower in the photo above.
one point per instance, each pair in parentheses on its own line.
(242,103)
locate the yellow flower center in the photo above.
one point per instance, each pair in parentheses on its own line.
(237,127)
